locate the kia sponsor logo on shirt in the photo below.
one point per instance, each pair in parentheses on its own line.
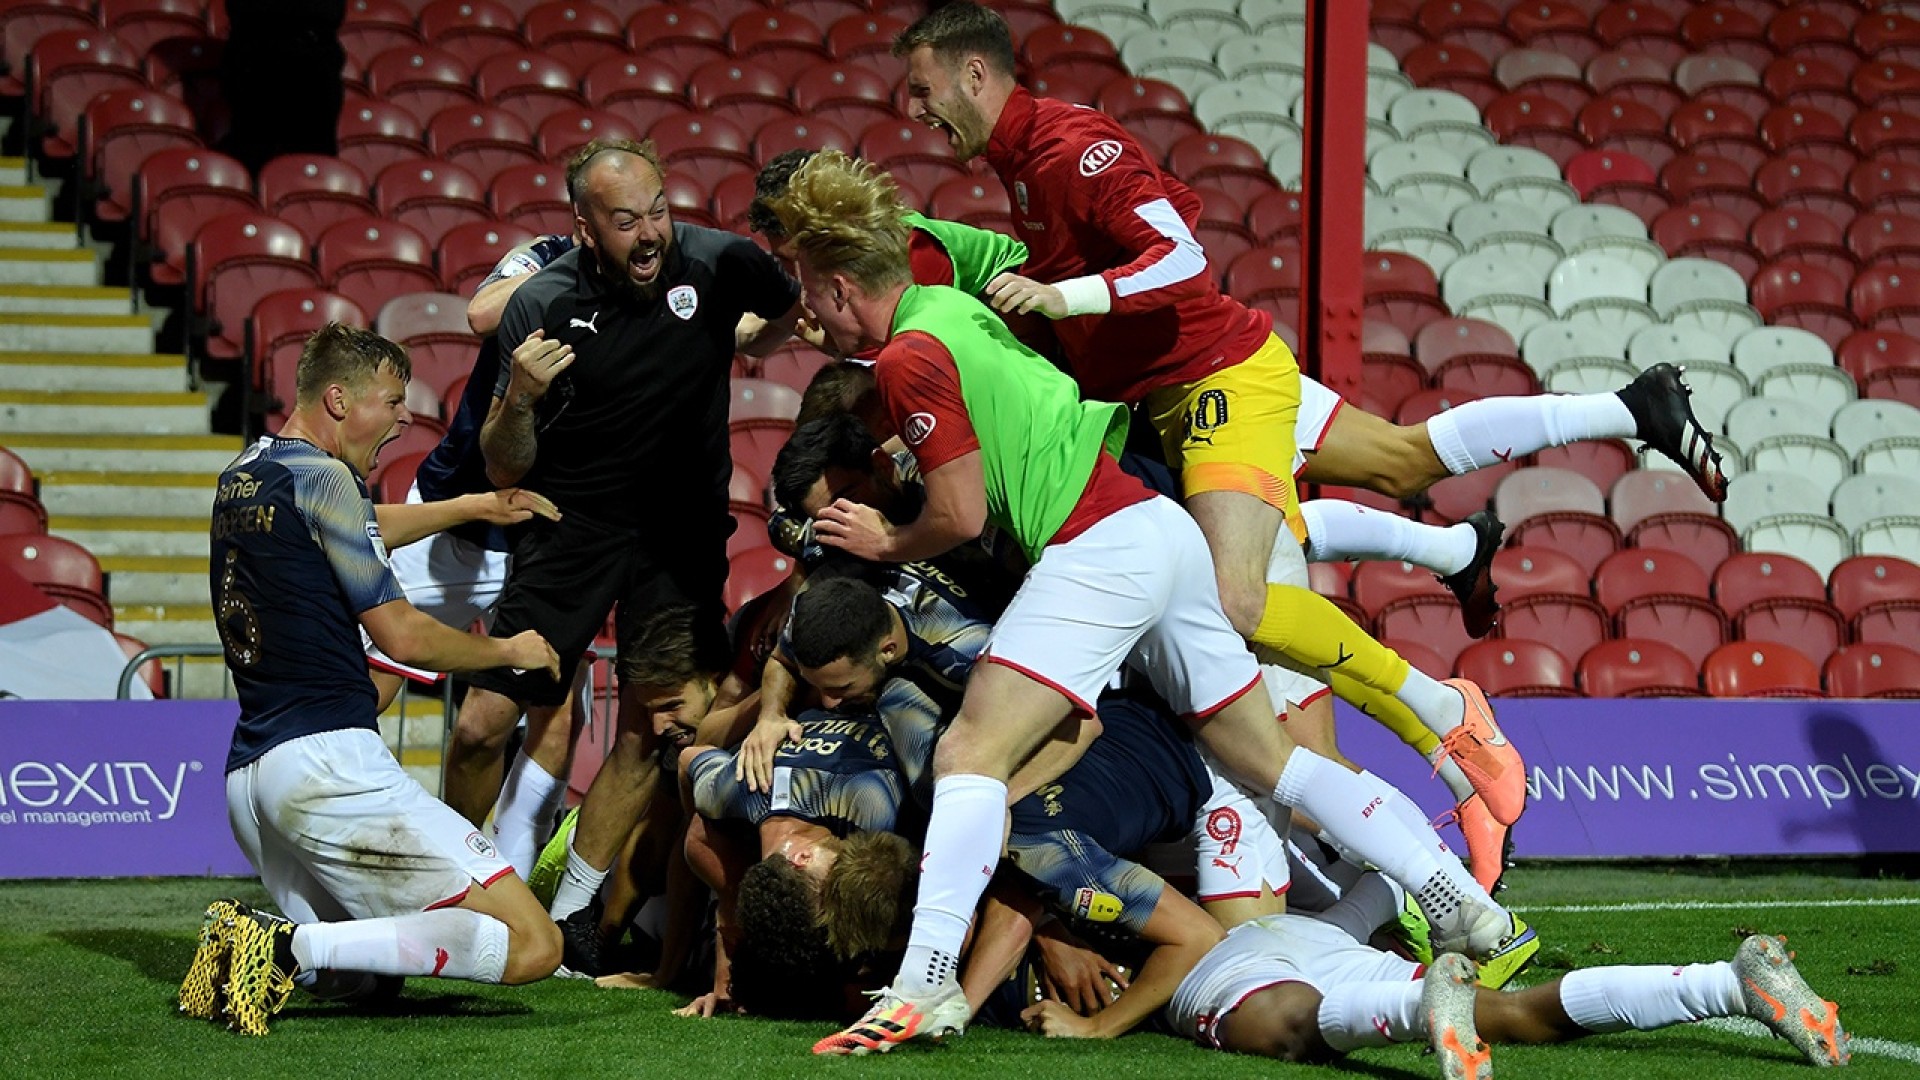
(1095,159)
(919,426)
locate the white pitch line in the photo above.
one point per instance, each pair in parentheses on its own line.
(1740,1025)
(1718,905)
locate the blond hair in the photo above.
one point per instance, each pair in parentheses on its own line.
(867,898)
(843,216)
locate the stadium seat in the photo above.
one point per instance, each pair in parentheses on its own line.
(1760,669)
(119,130)
(577,34)
(1881,183)
(1638,573)
(66,572)
(313,192)
(373,26)
(1881,670)
(1691,624)
(1860,583)
(375,134)
(1644,493)
(1519,572)
(1886,133)
(864,34)
(1377,584)
(755,442)
(431,196)
(174,192)
(784,40)
(1814,538)
(853,96)
(1533,492)
(468,253)
(1756,418)
(234,260)
(1567,624)
(1861,499)
(66,69)
(1680,346)
(1800,234)
(529,85)
(1820,389)
(369,260)
(762,399)
(784,133)
(745,92)
(1704,538)
(22,26)
(472,30)
(1753,496)
(277,330)
(1517,668)
(919,157)
(1633,667)
(421,79)
(1434,621)
(481,138)
(1819,460)
(567,130)
(1812,626)
(1862,422)
(1457,497)
(533,197)
(1894,456)
(753,572)
(1750,577)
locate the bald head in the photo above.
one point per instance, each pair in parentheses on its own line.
(620,210)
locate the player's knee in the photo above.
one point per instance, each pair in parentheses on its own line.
(485,723)
(1244,602)
(533,951)
(1412,465)
(1280,1022)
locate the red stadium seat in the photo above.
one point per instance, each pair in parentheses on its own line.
(421,79)
(530,85)
(747,93)
(1712,128)
(1454,67)
(982,203)
(1639,573)
(684,36)
(1812,626)
(1637,125)
(1704,538)
(1811,31)
(1458,497)
(1707,232)
(753,572)
(1635,76)
(1810,133)
(66,572)
(576,33)
(731,199)
(1434,621)
(1517,668)
(481,138)
(1416,653)
(1873,671)
(1725,28)
(1886,84)
(533,197)
(1751,577)
(1883,235)
(919,157)
(1870,352)
(1809,83)
(277,330)
(374,26)
(1886,133)
(1268,273)
(22,26)
(570,129)
(1519,572)
(1597,169)
(1804,235)
(864,34)
(431,196)
(1896,621)
(394,476)
(468,253)
(472,30)
(1526,118)
(1797,293)
(1643,493)
(1474,23)
(1570,625)
(756,441)
(1886,291)
(1218,157)
(119,130)
(1760,669)
(777,136)
(1691,624)
(1881,183)
(648,82)
(1377,584)
(793,366)
(235,260)
(375,134)
(1803,183)
(369,260)
(783,39)
(762,399)
(174,192)
(850,95)
(1885,30)
(1603,461)
(705,148)
(1628,667)
(1867,580)
(1061,42)
(66,70)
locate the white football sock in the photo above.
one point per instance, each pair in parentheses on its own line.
(1438,706)
(451,943)
(1450,774)
(1647,997)
(1454,872)
(962,849)
(578,886)
(1354,1015)
(1349,807)
(1498,429)
(1348,532)
(527,802)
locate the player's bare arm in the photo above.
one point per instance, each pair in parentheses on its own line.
(416,639)
(774,728)
(1073,974)
(405,523)
(507,438)
(756,336)
(1001,932)
(1181,934)
(955,512)
(490,300)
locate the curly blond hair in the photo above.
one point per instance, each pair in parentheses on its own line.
(843,216)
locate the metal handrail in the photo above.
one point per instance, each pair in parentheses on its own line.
(177,652)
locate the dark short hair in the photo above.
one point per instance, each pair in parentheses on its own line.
(672,646)
(770,184)
(347,355)
(835,441)
(838,618)
(583,157)
(958,30)
(836,388)
(782,966)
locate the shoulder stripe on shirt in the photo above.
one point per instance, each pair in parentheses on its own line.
(1187,259)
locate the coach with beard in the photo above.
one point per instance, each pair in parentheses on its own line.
(615,407)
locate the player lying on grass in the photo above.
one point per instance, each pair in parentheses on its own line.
(1288,987)
(376,877)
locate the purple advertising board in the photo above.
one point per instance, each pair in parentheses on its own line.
(115,789)
(1645,778)
(129,789)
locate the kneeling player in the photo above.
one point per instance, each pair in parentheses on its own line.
(380,878)
(1289,987)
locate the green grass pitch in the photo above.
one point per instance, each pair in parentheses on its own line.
(88,971)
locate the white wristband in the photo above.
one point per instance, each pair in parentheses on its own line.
(1086,295)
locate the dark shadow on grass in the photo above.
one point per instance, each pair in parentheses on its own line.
(161,958)
(413,1007)
(1371,1068)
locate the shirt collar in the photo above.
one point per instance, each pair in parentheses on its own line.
(1013,134)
